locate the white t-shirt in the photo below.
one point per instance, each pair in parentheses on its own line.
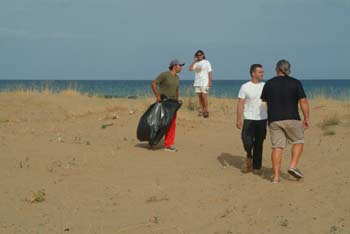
(254,108)
(201,69)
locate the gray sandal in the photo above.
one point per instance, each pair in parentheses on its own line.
(296,173)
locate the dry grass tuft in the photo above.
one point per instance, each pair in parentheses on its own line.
(4,121)
(37,197)
(326,124)
(329,133)
(72,115)
(115,108)
(332,121)
(69,93)
(191,104)
(157,198)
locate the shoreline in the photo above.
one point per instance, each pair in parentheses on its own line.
(73,92)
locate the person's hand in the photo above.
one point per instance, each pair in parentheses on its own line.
(306,123)
(239,124)
(195,59)
(210,83)
(158,99)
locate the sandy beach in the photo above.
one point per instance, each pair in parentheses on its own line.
(72,164)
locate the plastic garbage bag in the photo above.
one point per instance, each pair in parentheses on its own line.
(156,121)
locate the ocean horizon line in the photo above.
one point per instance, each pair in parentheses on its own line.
(319,79)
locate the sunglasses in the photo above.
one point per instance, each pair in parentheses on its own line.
(199,55)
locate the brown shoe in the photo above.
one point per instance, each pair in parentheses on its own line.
(248,165)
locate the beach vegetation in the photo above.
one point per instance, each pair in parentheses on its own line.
(65,92)
(225,108)
(69,92)
(37,197)
(4,121)
(162,197)
(329,93)
(191,104)
(327,123)
(331,121)
(190,100)
(103,126)
(329,133)
(187,91)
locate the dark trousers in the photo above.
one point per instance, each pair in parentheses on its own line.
(253,136)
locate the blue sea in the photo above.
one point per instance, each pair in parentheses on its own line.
(335,89)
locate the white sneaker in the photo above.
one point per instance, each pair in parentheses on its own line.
(170,149)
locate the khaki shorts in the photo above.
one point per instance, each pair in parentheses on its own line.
(286,130)
(202,89)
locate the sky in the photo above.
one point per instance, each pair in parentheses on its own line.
(136,39)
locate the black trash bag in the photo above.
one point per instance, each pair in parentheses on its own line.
(156,121)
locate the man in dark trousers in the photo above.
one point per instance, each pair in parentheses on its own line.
(255,118)
(282,95)
(169,86)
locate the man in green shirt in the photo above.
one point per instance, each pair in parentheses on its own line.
(168,83)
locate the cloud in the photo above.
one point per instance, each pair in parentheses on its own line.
(60,35)
(57,1)
(14,32)
(19,33)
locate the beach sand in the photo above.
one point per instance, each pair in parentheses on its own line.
(72,164)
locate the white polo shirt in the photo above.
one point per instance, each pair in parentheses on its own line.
(201,69)
(254,108)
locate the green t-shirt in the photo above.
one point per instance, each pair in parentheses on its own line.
(168,84)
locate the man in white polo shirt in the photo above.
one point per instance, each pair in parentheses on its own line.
(202,80)
(255,118)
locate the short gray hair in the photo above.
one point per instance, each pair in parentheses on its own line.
(283,66)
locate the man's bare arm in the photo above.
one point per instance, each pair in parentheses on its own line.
(240,108)
(304,105)
(155,90)
(190,68)
(210,75)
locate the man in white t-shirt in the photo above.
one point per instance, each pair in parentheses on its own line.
(255,118)
(202,80)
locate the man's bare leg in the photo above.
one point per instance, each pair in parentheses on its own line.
(201,102)
(205,102)
(297,149)
(276,157)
